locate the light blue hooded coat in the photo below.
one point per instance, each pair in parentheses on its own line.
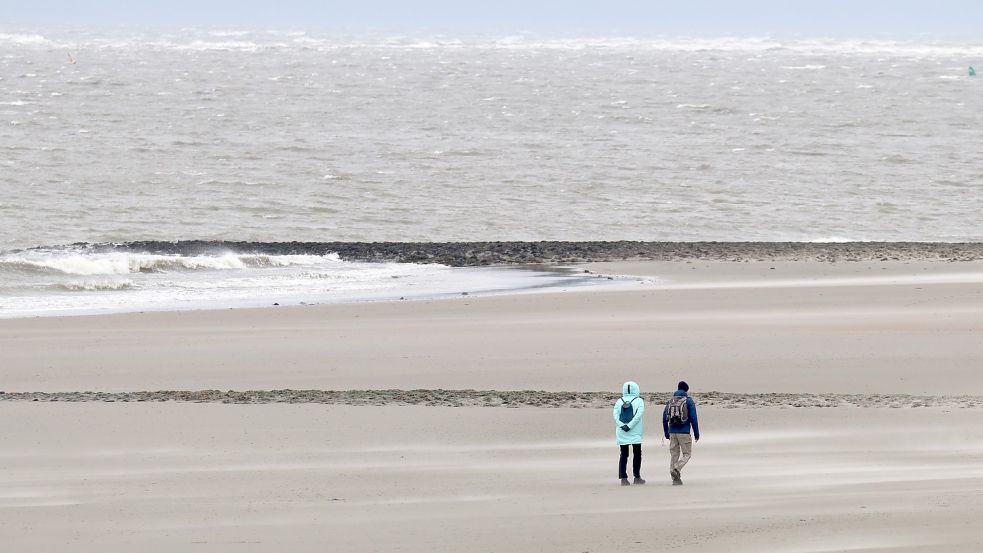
(629,392)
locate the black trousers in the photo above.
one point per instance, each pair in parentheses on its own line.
(636,461)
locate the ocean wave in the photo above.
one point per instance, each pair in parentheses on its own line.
(25,39)
(737,44)
(94,285)
(123,263)
(251,41)
(223,45)
(833,240)
(225,33)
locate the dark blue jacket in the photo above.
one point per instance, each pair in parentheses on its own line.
(685,427)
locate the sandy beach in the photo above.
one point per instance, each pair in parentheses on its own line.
(876,474)
(180,477)
(910,328)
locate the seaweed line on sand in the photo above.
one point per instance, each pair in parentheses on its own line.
(499,398)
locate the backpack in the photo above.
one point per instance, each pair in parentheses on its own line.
(627,411)
(677,412)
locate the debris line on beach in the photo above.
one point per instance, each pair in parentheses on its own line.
(499,398)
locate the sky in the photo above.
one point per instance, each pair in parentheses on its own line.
(852,18)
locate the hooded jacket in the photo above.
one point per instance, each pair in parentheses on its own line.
(629,393)
(685,427)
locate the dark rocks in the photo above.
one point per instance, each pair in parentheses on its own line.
(461,254)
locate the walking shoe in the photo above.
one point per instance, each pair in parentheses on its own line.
(675,474)
(639,480)
(677,482)
(625,482)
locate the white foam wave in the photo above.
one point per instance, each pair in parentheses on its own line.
(228,33)
(86,264)
(24,39)
(230,45)
(247,41)
(95,285)
(749,45)
(834,239)
(118,282)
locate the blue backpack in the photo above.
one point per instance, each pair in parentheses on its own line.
(627,411)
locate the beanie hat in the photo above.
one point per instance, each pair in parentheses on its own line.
(683,386)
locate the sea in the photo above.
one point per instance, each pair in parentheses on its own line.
(272,135)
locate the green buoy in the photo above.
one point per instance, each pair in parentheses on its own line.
(972,72)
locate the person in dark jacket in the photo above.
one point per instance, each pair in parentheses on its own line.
(678,432)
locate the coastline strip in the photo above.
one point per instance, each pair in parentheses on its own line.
(472,254)
(500,398)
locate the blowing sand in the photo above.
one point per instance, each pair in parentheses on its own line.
(879,469)
(185,477)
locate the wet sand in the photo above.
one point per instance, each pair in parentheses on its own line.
(858,328)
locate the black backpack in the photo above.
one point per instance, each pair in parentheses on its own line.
(627,411)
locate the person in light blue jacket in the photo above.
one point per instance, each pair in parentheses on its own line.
(628,429)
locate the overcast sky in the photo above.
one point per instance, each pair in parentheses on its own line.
(873,18)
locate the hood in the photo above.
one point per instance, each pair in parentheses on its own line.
(679,393)
(629,390)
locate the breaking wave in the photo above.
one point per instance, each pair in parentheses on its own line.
(238,40)
(94,285)
(101,278)
(124,263)
(25,39)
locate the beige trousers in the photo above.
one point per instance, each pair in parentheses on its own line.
(680,450)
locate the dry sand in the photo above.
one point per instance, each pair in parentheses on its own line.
(182,476)
(205,477)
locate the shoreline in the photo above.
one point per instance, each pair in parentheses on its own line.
(472,254)
(616,276)
(533,278)
(454,282)
(479,269)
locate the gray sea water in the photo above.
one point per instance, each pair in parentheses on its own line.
(292,135)
(278,136)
